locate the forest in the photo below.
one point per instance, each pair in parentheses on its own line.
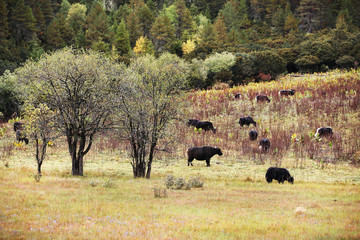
(261,39)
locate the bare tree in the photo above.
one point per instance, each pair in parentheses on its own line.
(75,85)
(147,99)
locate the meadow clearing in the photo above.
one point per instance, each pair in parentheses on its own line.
(235,201)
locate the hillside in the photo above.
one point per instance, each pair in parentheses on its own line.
(234,201)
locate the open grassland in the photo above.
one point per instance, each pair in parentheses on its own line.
(235,201)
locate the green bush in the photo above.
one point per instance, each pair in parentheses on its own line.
(244,68)
(308,63)
(269,62)
(323,50)
(9,100)
(345,61)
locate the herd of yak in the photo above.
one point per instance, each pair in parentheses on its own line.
(206,152)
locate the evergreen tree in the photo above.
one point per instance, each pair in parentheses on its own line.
(4,26)
(278,21)
(122,39)
(54,38)
(98,28)
(4,33)
(146,19)
(232,14)
(22,24)
(184,19)
(290,22)
(76,17)
(163,34)
(47,10)
(220,30)
(310,15)
(40,21)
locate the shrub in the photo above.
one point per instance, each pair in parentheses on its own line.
(196,182)
(321,49)
(160,192)
(9,101)
(345,61)
(220,61)
(308,63)
(181,184)
(269,62)
(243,69)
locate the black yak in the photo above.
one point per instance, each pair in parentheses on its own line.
(202,153)
(238,95)
(20,135)
(279,174)
(264,144)
(18,126)
(324,131)
(253,135)
(204,125)
(262,98)
(287,92)
(246,121)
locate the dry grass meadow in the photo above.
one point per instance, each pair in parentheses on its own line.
(235,201)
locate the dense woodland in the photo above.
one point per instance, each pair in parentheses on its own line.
(267,37)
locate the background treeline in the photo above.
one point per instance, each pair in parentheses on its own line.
(256,40)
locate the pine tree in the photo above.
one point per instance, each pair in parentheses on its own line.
(47,10)
(163,34)
(98,28)
(22,24)
(53,35)
(122,39)
(76,18)
(184,19)
(291,23)
(4,26)
(40,21)
(146,19)
(220,30)
(4,32)
(310,15)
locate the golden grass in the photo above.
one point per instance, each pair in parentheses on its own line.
(235,203)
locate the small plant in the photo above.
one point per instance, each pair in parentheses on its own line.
(93,183)
(109,183)
(169,181)
(179,183)
(196,182)
(160,192)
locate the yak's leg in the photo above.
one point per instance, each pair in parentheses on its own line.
(190,161)
(208,162)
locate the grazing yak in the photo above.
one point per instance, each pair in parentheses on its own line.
(264,144)
(262,98)
(204,125)
(246,121)
(238,95)
(20,135)
(324,132)
(253,135)
(279,174)
(287,92)
(202,153)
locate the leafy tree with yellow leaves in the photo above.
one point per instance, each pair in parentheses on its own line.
(143,46)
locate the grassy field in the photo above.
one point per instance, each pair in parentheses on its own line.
(235,201)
